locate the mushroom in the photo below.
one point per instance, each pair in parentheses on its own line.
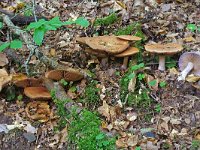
(130,51)
(21,80)
(189,62)
(37,93)
(109,44)
(67,74)
(163,50)
(129,38)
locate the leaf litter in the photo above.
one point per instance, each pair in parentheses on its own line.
(173,125)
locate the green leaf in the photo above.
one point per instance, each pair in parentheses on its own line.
(100,136)
(192,27)
(1,25)
(73,89)
(138,148)
(198,29)
(69,22)
(55,22)
(141,76)
(152,83)
(49,27)
(82,22)
(4,46)
(162,84)
(38,36)
(16,44)
(35,25)
(131,76)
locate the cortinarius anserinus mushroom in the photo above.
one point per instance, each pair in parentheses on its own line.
(189,62)
(163,50)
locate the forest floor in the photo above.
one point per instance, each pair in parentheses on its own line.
(137,108)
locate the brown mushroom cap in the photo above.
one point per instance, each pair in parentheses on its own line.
(37,93)
(95,52)
(129,37)
(194,58)
(168,49)
(81,40)
(21,80)
(68,74)
(109,44)
(130,51)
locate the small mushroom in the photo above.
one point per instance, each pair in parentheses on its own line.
(130,51)
(37,93)
(189,62)
(67,74)
(163,50)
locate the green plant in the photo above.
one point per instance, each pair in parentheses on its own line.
(1,25)
(152,82)
(91,96)
(158,108)
(20,97)
(42,26)
(85,134)
(193,27)
(141,76)
(106,21)
(138,148)
(63,82)
(162,84)
(13,44)
(170,62)
(195,145)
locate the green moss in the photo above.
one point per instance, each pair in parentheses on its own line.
(91,95)
(85,134)
(106,21)
(127,30)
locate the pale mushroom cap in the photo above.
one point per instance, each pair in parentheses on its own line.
(109,44)
(130,51)
(193,57)
(68,75)
(168,49)
(37,93)
(129,37)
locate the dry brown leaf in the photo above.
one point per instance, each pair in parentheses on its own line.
(105,110)
(122,143)
(189,39)
(192,78)
(4,78)
(132,83)
(3,60)
(38,110)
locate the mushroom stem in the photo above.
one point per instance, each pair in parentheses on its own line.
(161,63)
(185,72)
(104,62)
(125,63)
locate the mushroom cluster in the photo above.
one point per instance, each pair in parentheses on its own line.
(105,46)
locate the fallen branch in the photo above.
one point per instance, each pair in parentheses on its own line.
(20,19)
(60,94)
(32,47)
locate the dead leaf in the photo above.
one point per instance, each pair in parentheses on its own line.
(131,85)
(189,39)
(3,60)
(192,78)
(4,78)
(38,110)
(105,110)
(122,143)
(131,116)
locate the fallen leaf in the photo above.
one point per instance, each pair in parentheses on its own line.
(192,78)
(131,85)
(4,78)
(152,82)
(104,110)
(3,60)
(189,39)
(38,110)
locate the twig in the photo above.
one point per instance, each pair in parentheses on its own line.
(33,1)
